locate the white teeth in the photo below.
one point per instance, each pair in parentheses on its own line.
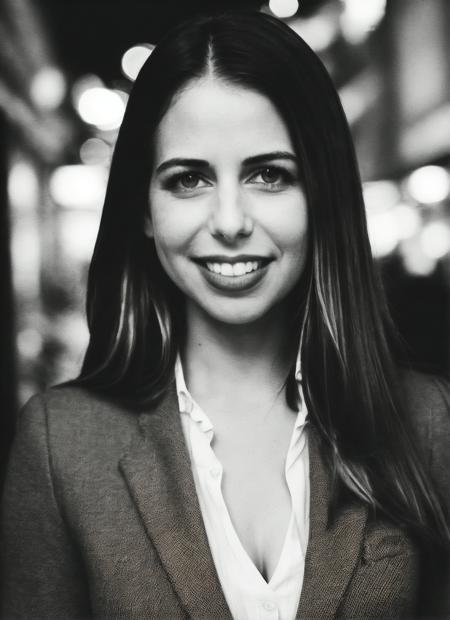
(226,269)
(239,269)
(236,269)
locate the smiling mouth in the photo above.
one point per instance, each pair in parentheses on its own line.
(232,267)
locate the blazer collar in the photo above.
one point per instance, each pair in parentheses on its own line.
(158,471)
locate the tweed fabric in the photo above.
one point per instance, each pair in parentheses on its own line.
(101,519)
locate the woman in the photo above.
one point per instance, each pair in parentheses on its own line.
(240,442)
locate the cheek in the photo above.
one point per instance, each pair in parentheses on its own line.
(175,222)
(295,231)
(167,226)
(169,245)
(289,225)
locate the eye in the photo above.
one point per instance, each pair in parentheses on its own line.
(185,181)
(189,180)
(272,177)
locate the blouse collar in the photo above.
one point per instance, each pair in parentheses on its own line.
(188,406)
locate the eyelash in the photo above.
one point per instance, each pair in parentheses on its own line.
(172,183)
(285,178)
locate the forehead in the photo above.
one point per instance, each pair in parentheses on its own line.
(212,117)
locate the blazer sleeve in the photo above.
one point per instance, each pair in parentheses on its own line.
(440,438)
(42,572)
(431,410)
(440,465)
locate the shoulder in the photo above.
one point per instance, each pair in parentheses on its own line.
(74,408)
(77,426)
(425,390)
(427,402)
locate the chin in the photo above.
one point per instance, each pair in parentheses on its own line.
(246,314)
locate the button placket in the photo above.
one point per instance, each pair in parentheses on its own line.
(268,610)
(215,472)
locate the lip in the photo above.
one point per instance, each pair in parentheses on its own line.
(240,258)
(233,284)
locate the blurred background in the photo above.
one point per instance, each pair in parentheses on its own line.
(66,69)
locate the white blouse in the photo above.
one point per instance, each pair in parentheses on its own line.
(247,593)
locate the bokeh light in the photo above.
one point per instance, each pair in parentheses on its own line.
(319,31)
(29,343)
(26,257)
(435,239)
(48,88)
(429,184)
(359,17)
(283,8)
(383,233)
(101,107)
(78,232)
(134,59)
(380,195)
(79,186)
(23,186)
(408,221)
(95,151)
(414,259)
(83,84)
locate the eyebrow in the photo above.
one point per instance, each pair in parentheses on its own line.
(202,163)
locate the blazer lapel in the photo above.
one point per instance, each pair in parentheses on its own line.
(333,549)
(158,471)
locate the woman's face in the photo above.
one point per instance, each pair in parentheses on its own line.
(227,207)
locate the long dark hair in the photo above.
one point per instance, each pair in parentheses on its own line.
(135,314)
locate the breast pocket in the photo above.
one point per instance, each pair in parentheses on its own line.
(386,542)
(386,581)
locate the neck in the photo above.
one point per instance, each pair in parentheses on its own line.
(231,360)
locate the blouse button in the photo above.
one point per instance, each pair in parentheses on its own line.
(215,472)
(268,606)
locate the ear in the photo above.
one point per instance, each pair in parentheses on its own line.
(148,225)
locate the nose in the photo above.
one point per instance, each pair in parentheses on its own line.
(229,220)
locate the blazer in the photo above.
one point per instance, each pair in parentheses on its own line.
(101,519)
